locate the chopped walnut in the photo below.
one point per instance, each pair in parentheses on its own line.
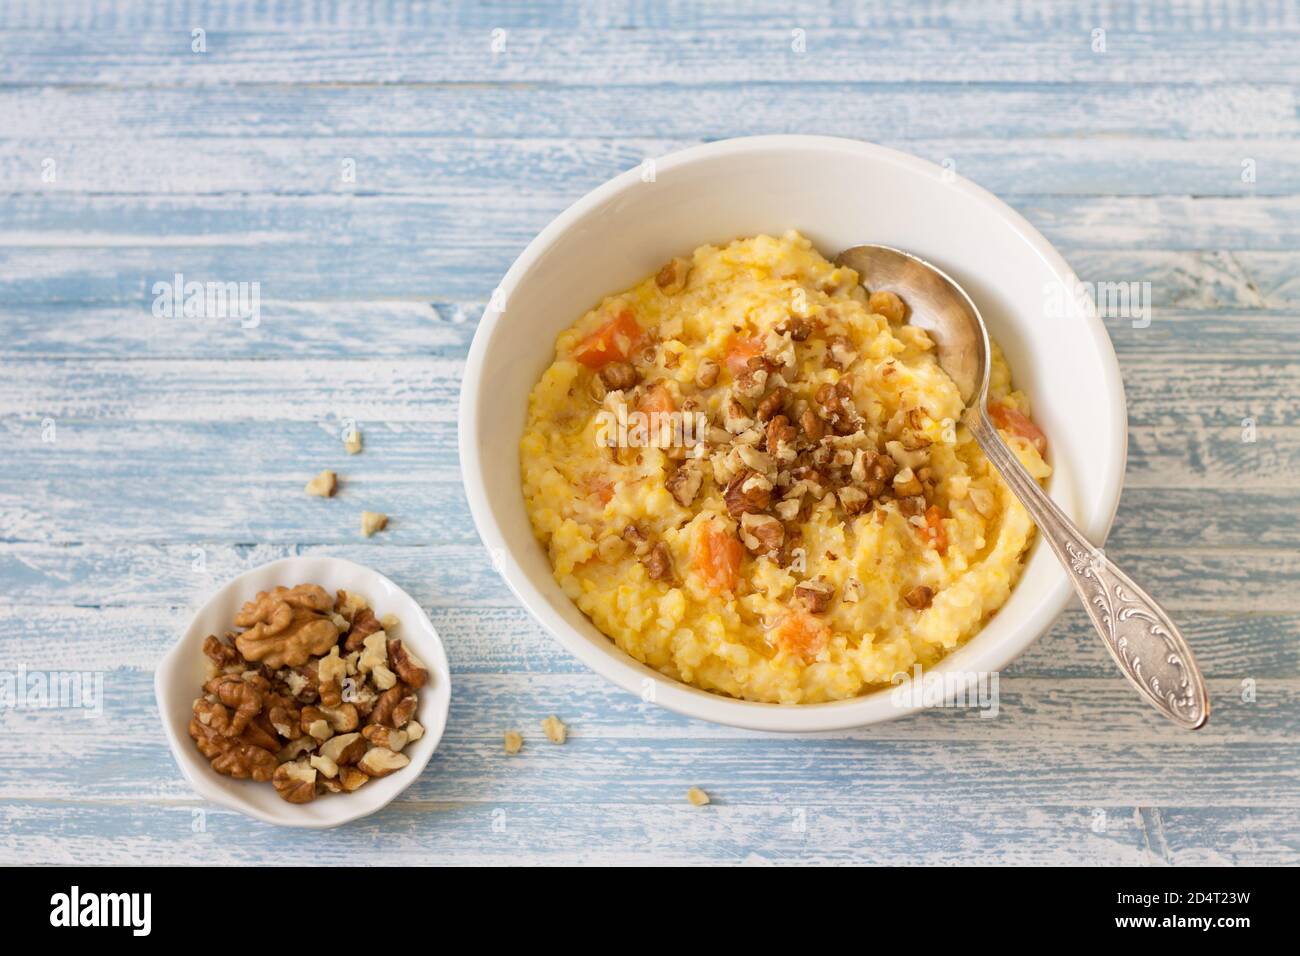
(555,730)
(348,603)
(331,670)
(684,483)
(813,427)
(748,492)
(374,653)
(852,591)
(352,779)
(853,500)
(815,596)
(842,353)
(232,756)
(244,697)
(325,766)
(797,328)
(761,534)
(382,713)
(344,749)
(404,710)
(323,485)
(906,484)
(315,723)
(620,375)
(352,440)
(221,654)
(637,540)
(919,597)
(788,510)
(342,718)
(295,782)
(672,278)
(735,417)
(387,737)
(752,382)
(296,748)
(773,403)
(706,373)
(781,438)
(659,563)
(286,718)
(380,762)
(408,667)
(697,797)
(512,742)
(911,507)
(364,623)
(372,521)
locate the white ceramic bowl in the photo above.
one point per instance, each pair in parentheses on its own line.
(180,675)
(838,193)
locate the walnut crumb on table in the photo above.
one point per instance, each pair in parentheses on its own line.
(323,485)
(555,729)
(697,797)
(352,441)
(512,742)
(372,521)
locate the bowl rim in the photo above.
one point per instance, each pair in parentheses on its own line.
(683,698)
(198,771)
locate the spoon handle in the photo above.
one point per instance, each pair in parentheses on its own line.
(1144,642)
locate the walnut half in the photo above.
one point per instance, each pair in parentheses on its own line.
(287,626)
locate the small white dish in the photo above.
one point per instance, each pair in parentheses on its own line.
(180,676)
(838,193)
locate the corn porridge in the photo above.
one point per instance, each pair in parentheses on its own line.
(748,473)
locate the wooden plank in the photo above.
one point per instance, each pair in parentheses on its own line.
(606,58)
(866,111)
(1212,457)
(259,224)
(1266,16)
(773,831)
(422,165)
(1043,747)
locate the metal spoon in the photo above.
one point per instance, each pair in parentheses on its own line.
(1141,638)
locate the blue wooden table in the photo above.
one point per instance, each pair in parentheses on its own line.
(376,169)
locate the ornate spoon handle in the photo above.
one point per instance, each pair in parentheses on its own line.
(1141,638)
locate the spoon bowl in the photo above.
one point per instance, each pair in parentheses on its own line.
(949,315)
(1141,637)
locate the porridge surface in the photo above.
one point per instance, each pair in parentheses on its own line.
(747,473)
